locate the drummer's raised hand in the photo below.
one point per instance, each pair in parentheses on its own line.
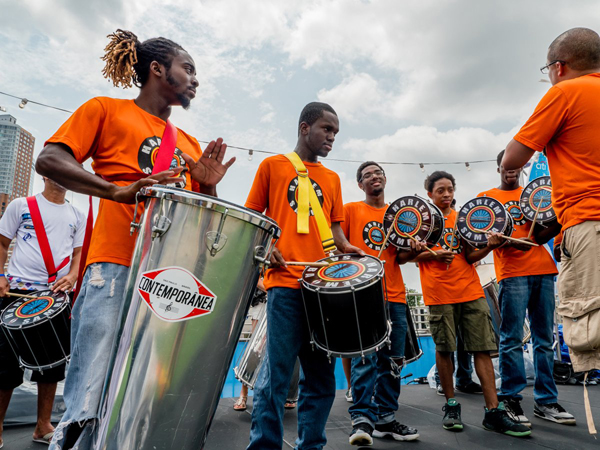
(209,169)
(126,194)
(65,284)
(276,259)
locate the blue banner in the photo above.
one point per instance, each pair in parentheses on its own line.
(539,167)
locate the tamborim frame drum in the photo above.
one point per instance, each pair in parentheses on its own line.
(194,269)
(345,305)
(38,329)
(416,217)
(480,216)
(538,194)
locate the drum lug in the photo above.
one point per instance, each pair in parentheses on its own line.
(162,225)
(260,255)
(216,240)
(135,226)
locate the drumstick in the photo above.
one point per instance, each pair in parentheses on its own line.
(12,294)
(387,236)
(534,219)
(307,264)
(521,241)
(416,240)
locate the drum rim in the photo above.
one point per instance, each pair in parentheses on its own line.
(331,290)
(479,243)
(521,201)
(64,360)
(66,303)
(197,199)
(378,346)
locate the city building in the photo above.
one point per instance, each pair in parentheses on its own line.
(16,161)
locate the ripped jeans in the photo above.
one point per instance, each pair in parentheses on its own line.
(95,317)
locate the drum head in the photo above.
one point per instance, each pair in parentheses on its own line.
(480,216)
(26,312)
(413,216)
(538,193)
(343,272)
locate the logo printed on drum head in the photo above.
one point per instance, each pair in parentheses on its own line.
(373,235)
(34,307)
(174,294)
(515,211)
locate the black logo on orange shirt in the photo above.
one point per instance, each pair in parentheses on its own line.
(373,235)
(292,194)
(514,209)
(449,244)
(147,156)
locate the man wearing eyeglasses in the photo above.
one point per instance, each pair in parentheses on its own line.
(567,123)
(376,377)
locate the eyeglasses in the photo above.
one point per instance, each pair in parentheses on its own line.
(368,175)
(546,68)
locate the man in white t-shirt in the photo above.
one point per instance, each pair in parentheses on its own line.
(64,226)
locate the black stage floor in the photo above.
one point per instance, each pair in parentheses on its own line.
(420,407)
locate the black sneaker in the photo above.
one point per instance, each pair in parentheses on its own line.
(471,388)
(361,434)
(452,417)
(554,413)
(396,431)
(514,410)
(498,420)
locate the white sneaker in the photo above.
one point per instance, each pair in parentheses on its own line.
(554,413)
(515,412)
(349,396)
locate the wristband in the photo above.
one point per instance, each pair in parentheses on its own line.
(2,275)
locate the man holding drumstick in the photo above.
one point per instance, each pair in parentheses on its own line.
(376,377)
(64,226)
(277,192)
(123,139)
(566,122)
(526,278)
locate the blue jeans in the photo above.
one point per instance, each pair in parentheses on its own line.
(375,383)
(517,295)
(288,338)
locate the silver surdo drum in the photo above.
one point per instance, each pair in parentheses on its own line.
(416,217)
(538,194)
(39,329)
(345,305)
(194,269)
(251,360)
(480,216)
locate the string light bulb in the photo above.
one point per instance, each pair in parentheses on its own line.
(2,109)
(468,166)
(422,166)
(24,101)
(250,153)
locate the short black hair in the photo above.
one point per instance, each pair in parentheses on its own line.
(362,166)
(313,112)
(499,158)
(579,47)
(436,176)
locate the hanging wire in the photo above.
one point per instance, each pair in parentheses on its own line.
(25,101)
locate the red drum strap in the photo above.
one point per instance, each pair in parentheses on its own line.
(40,232)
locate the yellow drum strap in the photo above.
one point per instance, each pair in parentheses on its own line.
(307,198)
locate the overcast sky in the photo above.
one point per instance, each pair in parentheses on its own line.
(421,82)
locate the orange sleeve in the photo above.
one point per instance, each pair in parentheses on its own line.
(337,210)
(258,198)
(82,130)
(345,224)
(546,120)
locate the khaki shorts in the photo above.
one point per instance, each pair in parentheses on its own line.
(471,319)
(579,293)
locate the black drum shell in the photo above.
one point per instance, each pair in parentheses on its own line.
(336,325)
(430,232)
(412,347)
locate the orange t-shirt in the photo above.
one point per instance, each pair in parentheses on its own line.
(363,227)
(122,139)
(458,283)
(567,123)
(508,261)
(274,193)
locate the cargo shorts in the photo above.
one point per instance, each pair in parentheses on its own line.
(471,319)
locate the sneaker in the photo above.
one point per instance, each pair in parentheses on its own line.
(439,389)
(471,388)
(498,420)
(452,417)
(514,410)
(553,412)
(348,396)
(396,431)
(361,434)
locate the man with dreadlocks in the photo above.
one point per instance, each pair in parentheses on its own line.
(122,138)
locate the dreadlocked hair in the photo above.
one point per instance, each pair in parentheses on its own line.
(128,60)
